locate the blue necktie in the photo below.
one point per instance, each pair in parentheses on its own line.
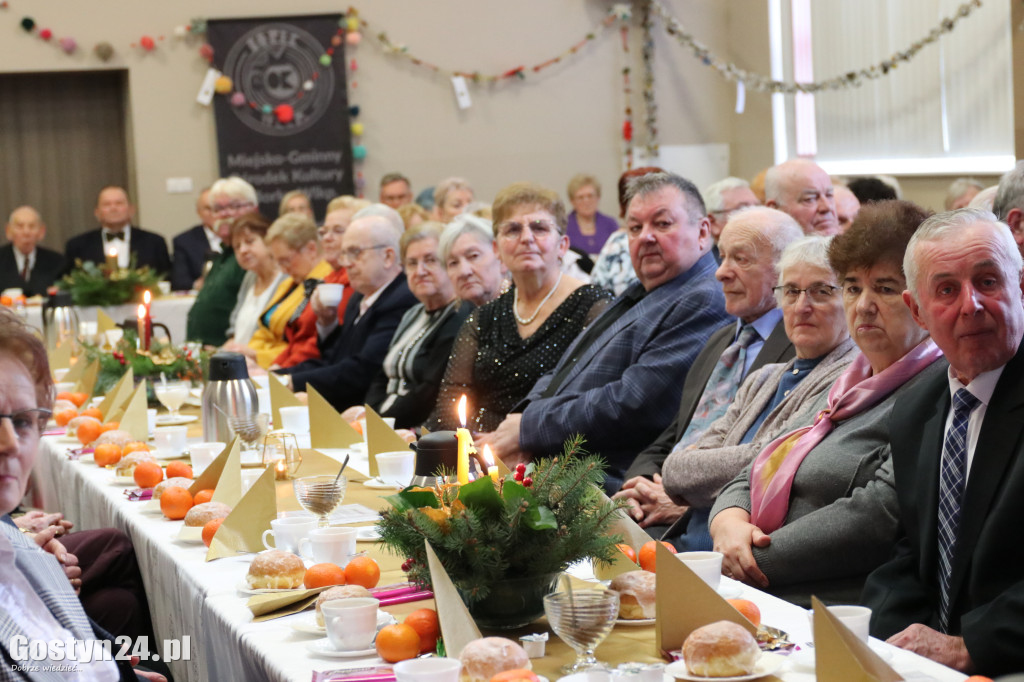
(952,476)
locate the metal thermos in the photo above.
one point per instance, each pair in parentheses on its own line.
(60,321)
(434,451)
(229,392)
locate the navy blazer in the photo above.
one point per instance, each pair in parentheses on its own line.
(191,251)
(148,248)
(353,354)
(47,269)
(987,582)
(624,388)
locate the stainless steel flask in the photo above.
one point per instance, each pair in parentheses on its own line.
(229,392)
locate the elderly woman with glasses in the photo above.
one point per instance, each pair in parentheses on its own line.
(471,260)
(816,510)
(262,278)
(509,343)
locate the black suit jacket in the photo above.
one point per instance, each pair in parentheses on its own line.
(48,267)
(987,582)
(148,248)
(353,354)
(191,251)
(777,348)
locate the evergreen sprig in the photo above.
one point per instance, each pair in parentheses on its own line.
(484,532)
(173,362)
(92,284)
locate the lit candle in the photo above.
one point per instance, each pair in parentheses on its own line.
(142,325)
(465,445)
(280,471)
(112,258)
(147,299)
(492,468)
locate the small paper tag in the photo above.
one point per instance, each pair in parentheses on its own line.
(741,97)
(461,92)
(205,95)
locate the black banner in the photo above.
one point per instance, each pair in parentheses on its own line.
(285,123)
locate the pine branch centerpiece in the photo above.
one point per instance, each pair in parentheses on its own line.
(107,284)
(162,359)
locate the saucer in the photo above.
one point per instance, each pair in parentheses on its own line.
(323,647)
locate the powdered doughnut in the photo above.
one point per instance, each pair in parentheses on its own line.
(275,569)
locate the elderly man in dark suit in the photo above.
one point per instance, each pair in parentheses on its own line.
(193,247)
(954,589)
(23,263)
(619,382)
(116,234)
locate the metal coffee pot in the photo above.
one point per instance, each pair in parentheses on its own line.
(229,392)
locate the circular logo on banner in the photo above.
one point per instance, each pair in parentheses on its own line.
(270,64)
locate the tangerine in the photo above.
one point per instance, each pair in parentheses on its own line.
(398,642)
(175,500)
(179,469)
(107,454)
(362,570)
(148,474)
(322,575)
(78,398)
(210,529)
(356,425)
(628,551)
(6,300)
(64,395)
(111,426)
(88,431)
(92,412)
(748,609)
(648,554)
(136,446)
(64,416)
(204,495)
(427,626)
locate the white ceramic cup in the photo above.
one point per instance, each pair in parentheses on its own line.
(203,455)
(396,467)
(151,420)
(856,618)
(164,287)
(171,439)
(351,623)
(330,294)
(390,421)
(332,545)
(295,419)
(65,386)
(249,477)
(59,374)
(288,532)
(707,565)
(428,670)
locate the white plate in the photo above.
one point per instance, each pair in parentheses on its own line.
(367,534)
(244,588)
(378,484)
(86,459)
(168,420)
(124,480)
(190,534)
(803,660)
(766,665)
(636,621)
(323,647)
(307,623)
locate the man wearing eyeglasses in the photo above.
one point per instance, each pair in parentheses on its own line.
(194,247)
(351,354)
(116,234)
(722,199)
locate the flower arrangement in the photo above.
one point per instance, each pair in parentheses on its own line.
(92,284)
(173,362)
(546,516)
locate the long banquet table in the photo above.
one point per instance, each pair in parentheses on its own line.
(189,596)
(171,310)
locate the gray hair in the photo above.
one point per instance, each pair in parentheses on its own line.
(382,229)
(1010,194)
(958,188)
(234,187)
(654,182)
(712,194)
(26,207)
(294,229)
(941,225)
(449,185)
(481,228)
(775,229)
(984,198)
(395,177)
(812,251)
(384,211)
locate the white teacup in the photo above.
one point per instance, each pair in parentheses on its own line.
(60,373)
(351,623)
(428,670)
(170,439)
(396,467)
(65,386)
(707,565)
(330,294)
(856,618)
(295,419)
(249,478)
(333,545)
(390,421)
(203,455)
(288,532)
(151,420)
(164,286)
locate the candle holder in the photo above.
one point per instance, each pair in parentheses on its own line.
(280,447)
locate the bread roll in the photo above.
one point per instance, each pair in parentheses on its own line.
(168,482)
(338,592)
(722,649)
(71,430)
(484,658)
(275,569)
(117,437)
(201,514)
(636,594)
(126,465)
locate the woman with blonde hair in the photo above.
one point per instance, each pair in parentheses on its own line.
(451,197)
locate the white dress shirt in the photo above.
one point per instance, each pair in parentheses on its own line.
(982,388)
(123,246)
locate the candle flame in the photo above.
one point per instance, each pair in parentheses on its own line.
(112,252)
(147,297)
(462,411)
(280,465)
(142,312)
(488,457)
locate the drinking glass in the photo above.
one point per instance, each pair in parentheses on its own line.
(172,394)
(320,495)
(250,428)
(582,619)
(282,446)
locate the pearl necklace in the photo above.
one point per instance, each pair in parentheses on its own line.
(527,320)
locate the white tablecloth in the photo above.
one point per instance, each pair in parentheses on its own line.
(169,310)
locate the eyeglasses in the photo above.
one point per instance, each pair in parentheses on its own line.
(233,206)
(28,423)
(725,214)
(337,231)
(513,231)
(820,293)
(352,254)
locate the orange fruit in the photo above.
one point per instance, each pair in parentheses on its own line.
(398,643)
(628,551)
(64,395)
(175,501)
(322,575)
(202,496)
(210,529)
(92,412)
(148,474)
(88,431)
(179,469)
(748,609)
(355,425)
(978,678)
(648,553)
(111,426)
(135,446)
(107,454)
(78,398)
(362,570)
(6,300)
(64,416)
(427,626)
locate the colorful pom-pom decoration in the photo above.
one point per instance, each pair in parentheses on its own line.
(358,152)
(45,34)
(357,129)
(147,43)
(325,60)
(104,51)
(180,31)
(223,85)
(352,24)
(353,37)
(627,131)
(307,86)
(284,113)
(353,110)
(68,45)
(206,51)
(28,23)
(266,108)
(238,99)
(335,40)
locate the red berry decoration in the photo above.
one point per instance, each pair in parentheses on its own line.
(46,34)
(521,468)
(527,481)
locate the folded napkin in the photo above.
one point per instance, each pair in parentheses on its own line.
(277,604)
(139,494)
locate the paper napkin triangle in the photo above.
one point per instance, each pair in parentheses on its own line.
(118,395)
(326,427)
(134,420)
(87,382)
(380,438)
(242,530)
(229,482)
(280,396)
(841,656)
(457,626)
(60,357)
(104,323)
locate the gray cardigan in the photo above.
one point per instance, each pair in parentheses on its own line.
(695,475)
(843,512)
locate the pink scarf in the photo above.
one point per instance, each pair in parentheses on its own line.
(856,390)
